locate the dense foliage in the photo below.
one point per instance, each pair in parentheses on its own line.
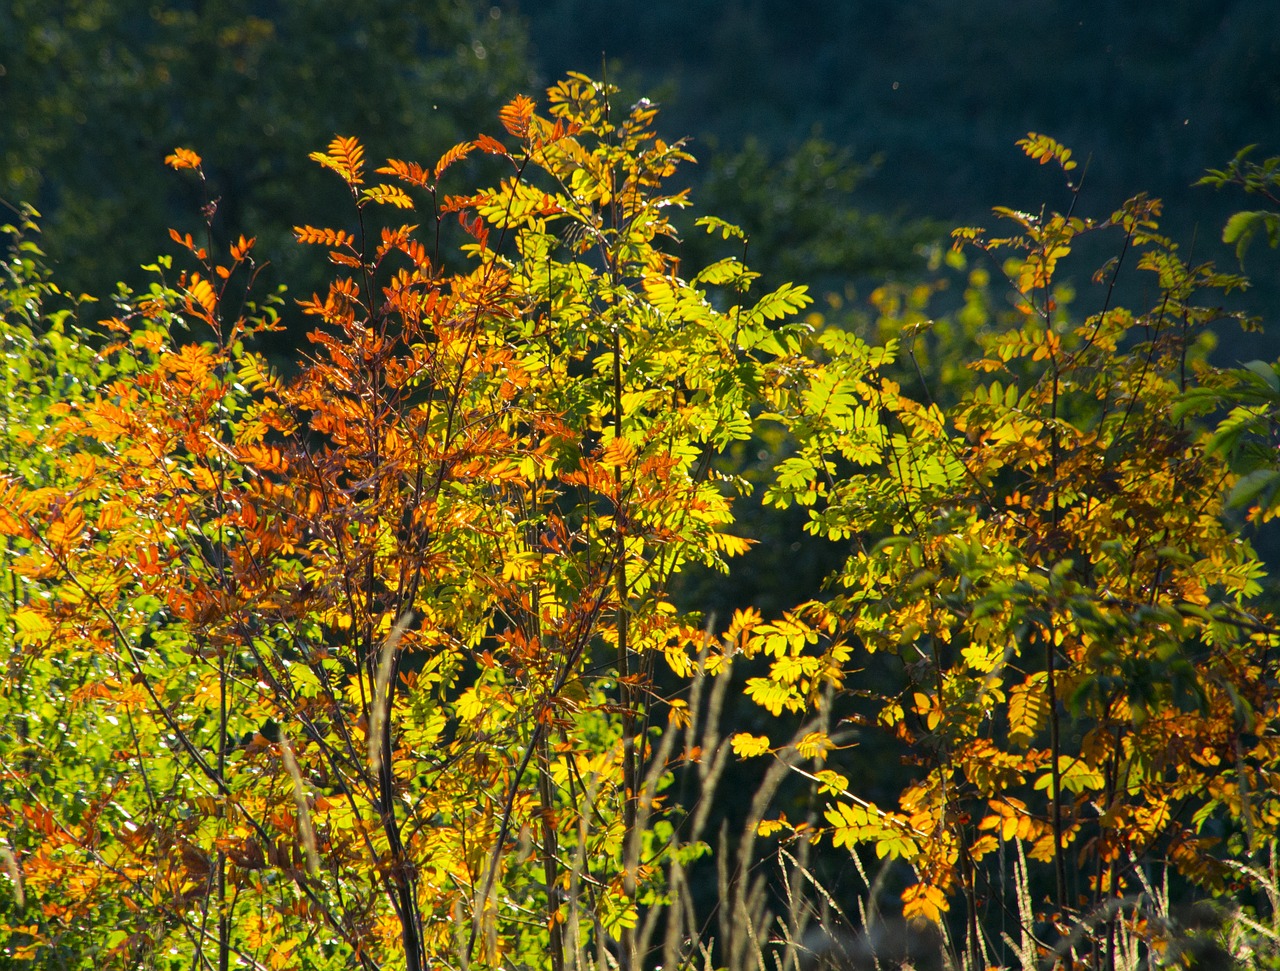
(379,665)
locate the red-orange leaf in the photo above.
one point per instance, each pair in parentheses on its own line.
(474,227)
(410,172)
(185,239)
(455,154)
(516,114)
(487,143)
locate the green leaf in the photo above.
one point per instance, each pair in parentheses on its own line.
(1266,372)
(1252,486)
(787,299)
(714,224)
(1243,226)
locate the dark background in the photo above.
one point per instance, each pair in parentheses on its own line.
(842,134)
(1154,94)
(931,95)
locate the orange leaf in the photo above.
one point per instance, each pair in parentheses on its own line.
(186,240)
(487,143)
(455,154)
(410,172)
(149,560)
(923,902)
(111,515)
(323,237)
(516,114)
(182,158)
(241,249)
(65,531)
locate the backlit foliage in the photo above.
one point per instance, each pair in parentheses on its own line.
(1086,665)
(354,668)
(373,642)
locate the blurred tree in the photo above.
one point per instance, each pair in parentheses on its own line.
(95,92)
(801,214)
(941,90)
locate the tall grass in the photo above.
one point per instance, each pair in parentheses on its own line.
(773,912)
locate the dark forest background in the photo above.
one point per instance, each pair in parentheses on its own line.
(843,136)
(938,91)
(921,103)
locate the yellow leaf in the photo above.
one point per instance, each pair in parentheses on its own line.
(767,827)
(815,745)
(388,195)
(1044,149)
(731,545)
(831,782)
(31,621)
(1028,709)
(982,846)
(891,714)
(746,745)
(520,566)
(927,709)
(924,902)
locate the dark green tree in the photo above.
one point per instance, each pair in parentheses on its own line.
(96,92)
